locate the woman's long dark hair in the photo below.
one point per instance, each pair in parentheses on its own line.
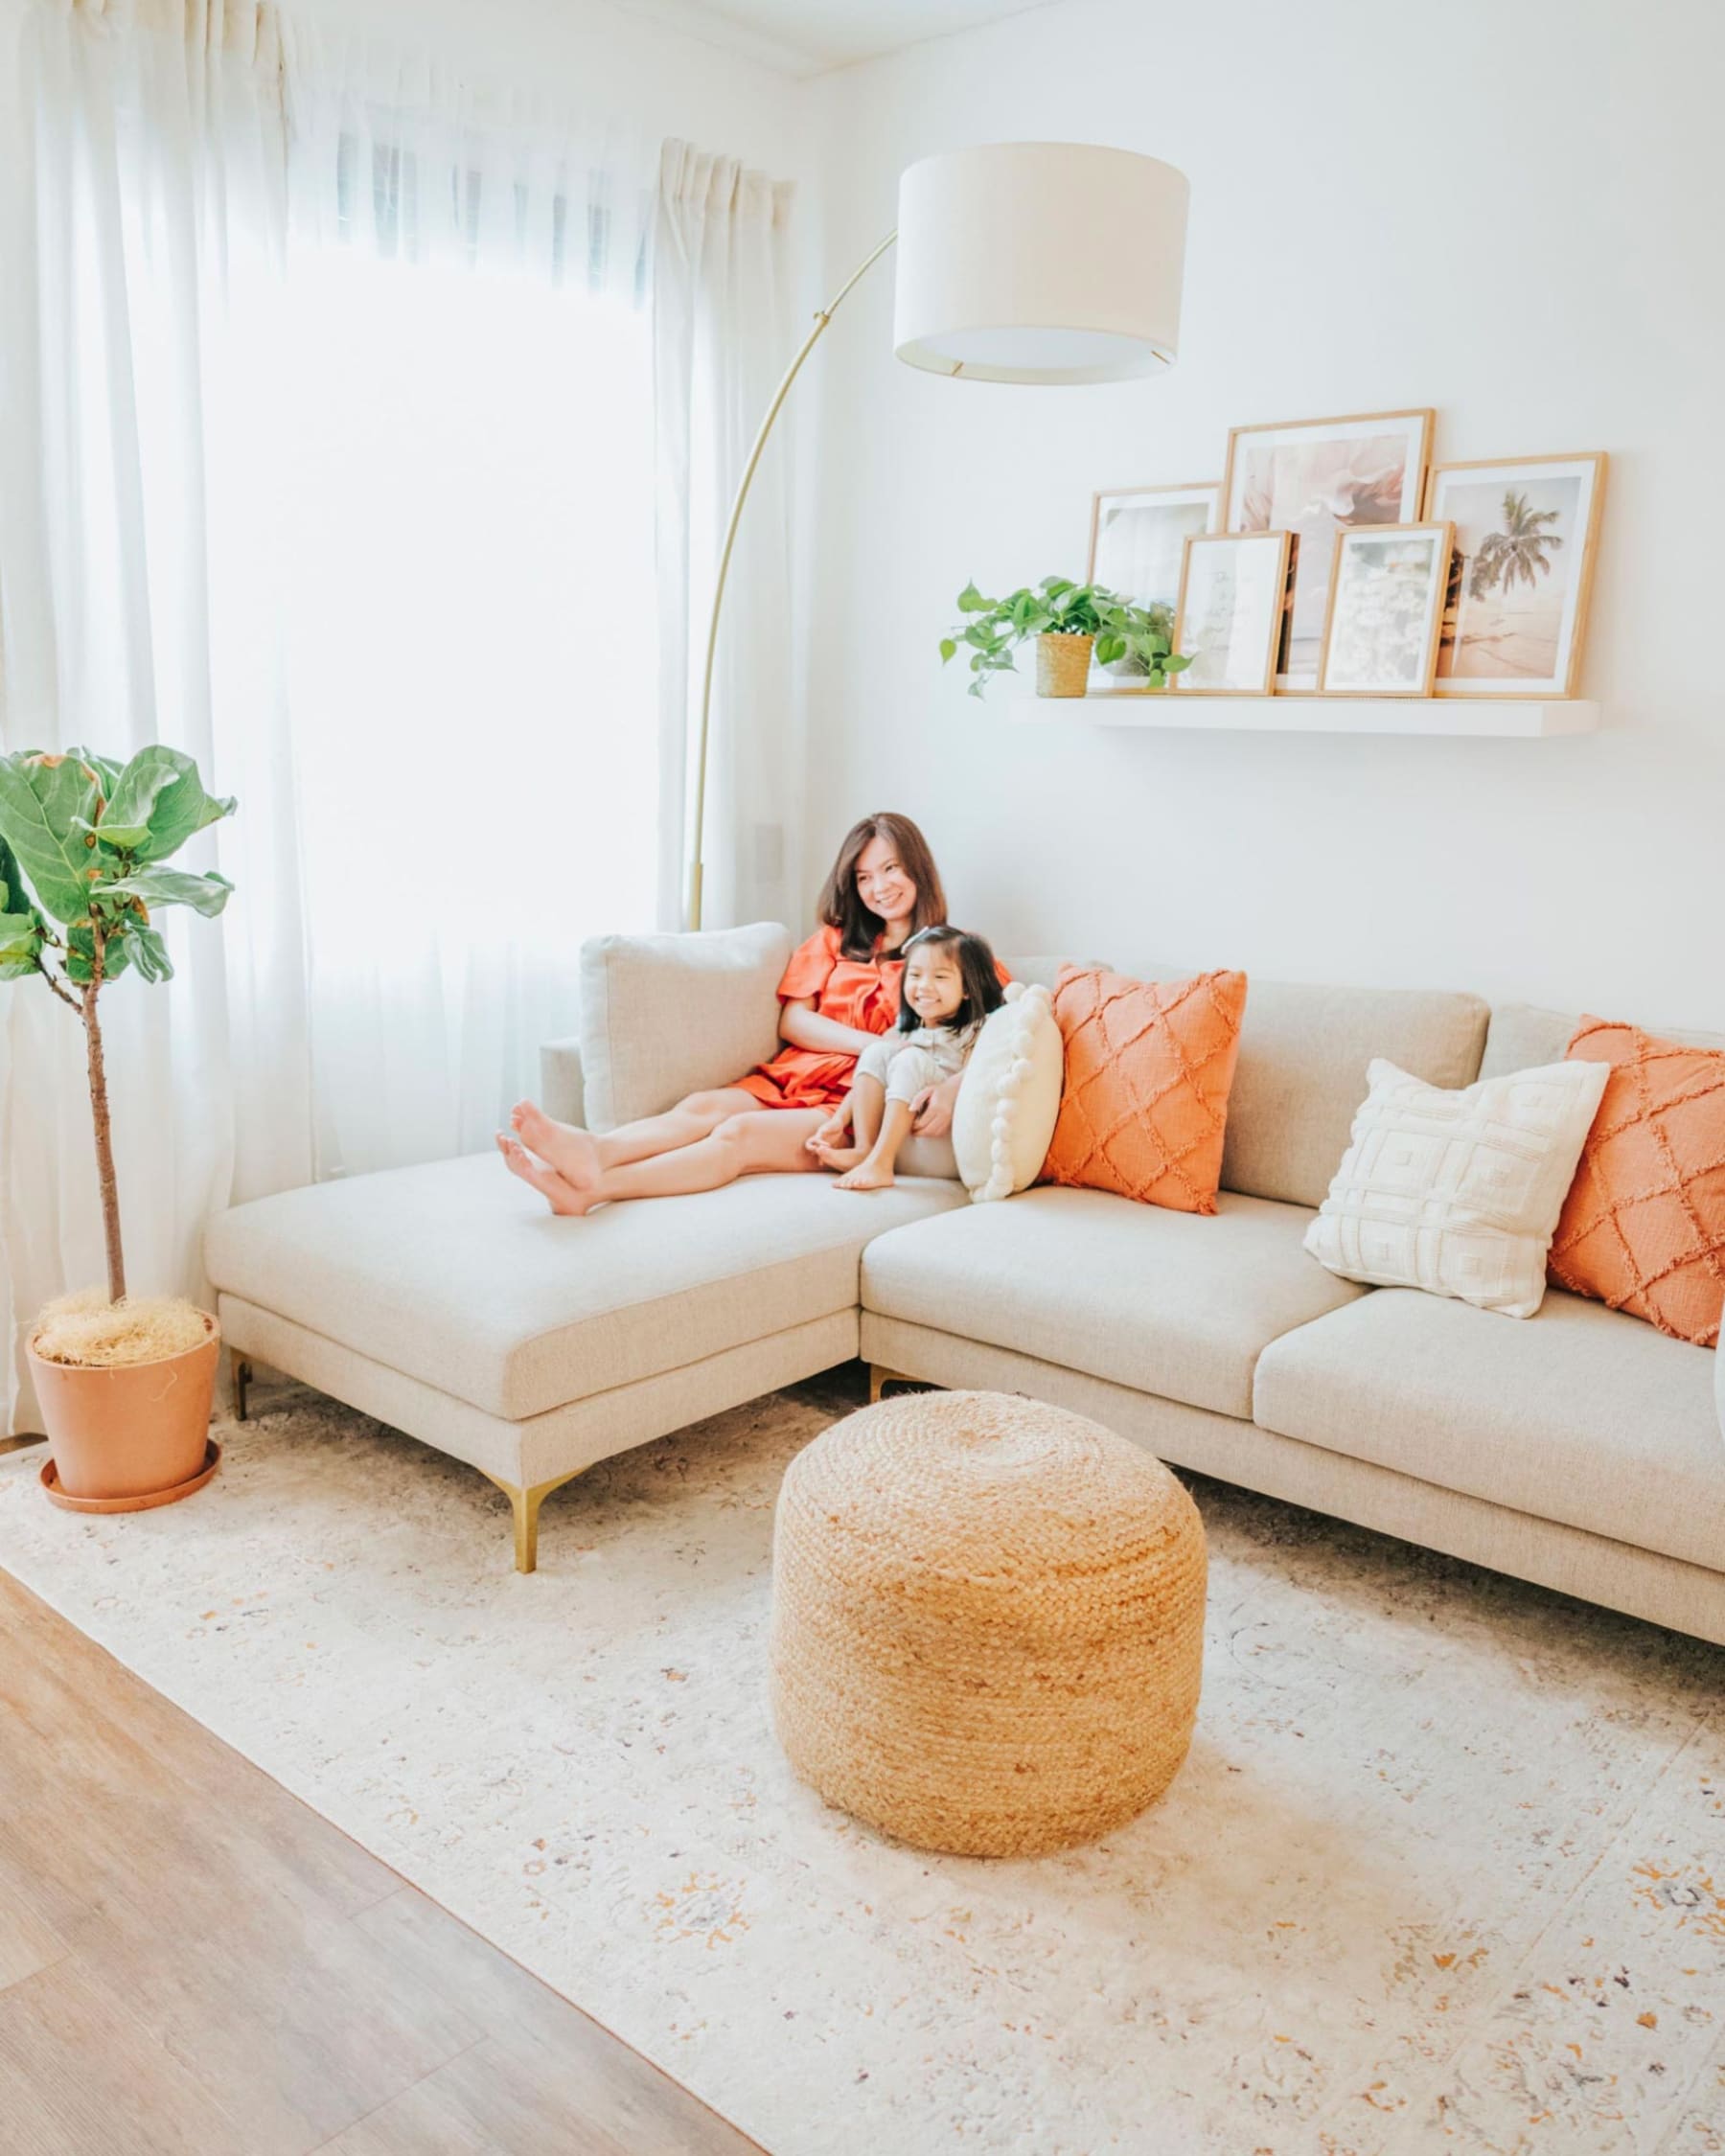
(859,929)
(977,971)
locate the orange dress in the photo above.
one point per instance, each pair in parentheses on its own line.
(863,992)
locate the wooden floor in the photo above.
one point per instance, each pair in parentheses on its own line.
(193,1963)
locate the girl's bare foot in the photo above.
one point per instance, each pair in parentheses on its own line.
(835,1155)
(870,1175)
(571,1152)
(557,1190)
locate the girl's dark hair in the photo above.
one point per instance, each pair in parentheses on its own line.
(982,990)
(859,929)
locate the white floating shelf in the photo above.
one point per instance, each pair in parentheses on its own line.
(1503,718)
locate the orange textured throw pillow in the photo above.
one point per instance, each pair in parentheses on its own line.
(1643,1226)
(1148,1064)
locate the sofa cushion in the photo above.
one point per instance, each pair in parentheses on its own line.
(1175,1303)
(1579,1415)
(667,1015)
(455,1273)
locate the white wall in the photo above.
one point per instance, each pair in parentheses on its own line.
(1509,211)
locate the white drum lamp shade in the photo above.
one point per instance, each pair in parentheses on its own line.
(1039,262)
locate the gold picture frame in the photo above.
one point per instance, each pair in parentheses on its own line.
(1287,474)
(1255,646)
(1559,505)
(1374,645)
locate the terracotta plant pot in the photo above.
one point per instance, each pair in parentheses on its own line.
(1063,665)
(129,1432)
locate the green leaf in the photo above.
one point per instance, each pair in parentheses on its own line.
(81,956)
(1057,586)
(125,820)
(154,961)
(1109,648)
(159,803)
(1177,662)
(21,939)
(971,602)
(40,798)
(174,887)
(948,648)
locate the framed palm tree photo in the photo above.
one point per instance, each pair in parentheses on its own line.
(1526,529)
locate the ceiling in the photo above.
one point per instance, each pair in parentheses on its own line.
(808,37)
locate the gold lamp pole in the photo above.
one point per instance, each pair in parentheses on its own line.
(773,409)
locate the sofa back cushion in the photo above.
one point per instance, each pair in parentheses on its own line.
(1305,1052)
(1523,1035)
(662,1016)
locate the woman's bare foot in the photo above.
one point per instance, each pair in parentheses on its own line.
(557,1190)
(871,1175)
(835,1155)
(571,1152)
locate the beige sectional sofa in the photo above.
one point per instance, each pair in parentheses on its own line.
(1580,1448)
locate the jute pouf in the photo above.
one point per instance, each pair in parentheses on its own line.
(987,1622)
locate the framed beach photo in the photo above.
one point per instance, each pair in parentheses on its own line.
(1314,478)
(1138,547)
(1386,611)
(1526,529)
(1232,613)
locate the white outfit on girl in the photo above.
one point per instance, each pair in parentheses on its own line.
(905,1062)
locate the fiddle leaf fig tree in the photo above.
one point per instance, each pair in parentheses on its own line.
(994,628)
(81,843)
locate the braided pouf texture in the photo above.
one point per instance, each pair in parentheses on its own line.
(987,1622)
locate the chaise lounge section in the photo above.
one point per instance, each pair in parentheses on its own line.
(1579,1449)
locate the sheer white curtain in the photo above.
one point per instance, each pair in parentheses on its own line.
(473,653)
(722,339)
(139,340)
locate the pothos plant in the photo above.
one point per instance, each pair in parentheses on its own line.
(82,840)
(1057,606)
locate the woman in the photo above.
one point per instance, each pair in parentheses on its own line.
(839,993)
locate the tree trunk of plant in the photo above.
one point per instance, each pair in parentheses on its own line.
(104,1140)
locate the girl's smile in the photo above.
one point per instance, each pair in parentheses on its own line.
(933,984)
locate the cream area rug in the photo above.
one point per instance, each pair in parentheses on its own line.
(1445,1868)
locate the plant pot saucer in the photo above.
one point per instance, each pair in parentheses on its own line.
(146,1502)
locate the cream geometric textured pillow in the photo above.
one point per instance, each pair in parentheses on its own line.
(1457,1193)
(1009,1099)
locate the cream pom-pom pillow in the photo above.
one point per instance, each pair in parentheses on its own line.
(1010,1100)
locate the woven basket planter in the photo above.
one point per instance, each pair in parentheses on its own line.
(987,1622)
(1063,665)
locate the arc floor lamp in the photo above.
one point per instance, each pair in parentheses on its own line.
(1034,262)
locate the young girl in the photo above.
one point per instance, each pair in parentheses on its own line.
(950,983)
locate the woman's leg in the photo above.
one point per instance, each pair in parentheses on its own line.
(761,1141)
(580,1155)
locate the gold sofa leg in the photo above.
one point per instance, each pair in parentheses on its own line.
(880,1377)
(525,1505)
